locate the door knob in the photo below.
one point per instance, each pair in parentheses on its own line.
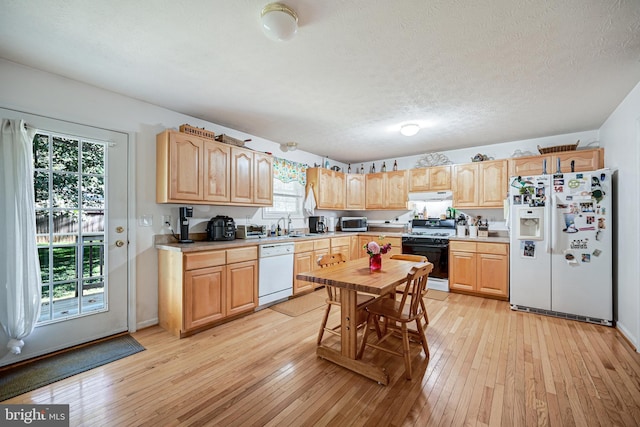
(119,243)
(119,229)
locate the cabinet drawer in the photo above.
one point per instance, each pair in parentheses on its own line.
(242,254)
(204,259)
(492,248)
(304,246)
(462,246)
(340,241)
(320,244)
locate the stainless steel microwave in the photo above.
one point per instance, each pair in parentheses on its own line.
(353,223)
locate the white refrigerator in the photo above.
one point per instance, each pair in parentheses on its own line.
(561,245)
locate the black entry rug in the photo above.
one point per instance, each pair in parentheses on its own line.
(32,375)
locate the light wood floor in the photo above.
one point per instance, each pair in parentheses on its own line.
(489,366)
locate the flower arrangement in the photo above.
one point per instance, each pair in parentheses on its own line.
(373,248)
(375,252)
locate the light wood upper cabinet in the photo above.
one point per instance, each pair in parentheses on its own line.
(197,170)
(355,197)
(396,190)
(480,184)
(241,176)
(217,184)
(263,179)
(465,185)
(386,190)
(374,188)
(493,183)
(179,167)
(584,160)
(436,178)
(329,187)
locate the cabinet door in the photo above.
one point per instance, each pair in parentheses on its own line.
(338,188)
(493,183)
(242,289)
(465,185)
(217,161)
(462,271)
(527,166)
(204,296)
(323,192)
(241,176)
(584,160)
(355,192)
(439,178)
(395,190)
(303,262)
(419,179)
(493,275)
(374,189)
(185,167)
(354,249)
(263,179)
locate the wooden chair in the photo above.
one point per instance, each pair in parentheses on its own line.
(333,297)
(402,312)
(400,289)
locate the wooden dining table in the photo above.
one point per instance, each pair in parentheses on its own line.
(353,277)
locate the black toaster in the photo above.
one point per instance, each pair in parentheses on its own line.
(221,228)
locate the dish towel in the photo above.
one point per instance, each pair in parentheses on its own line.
(310,202)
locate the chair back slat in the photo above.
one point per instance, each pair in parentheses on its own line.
(415,286)
(410,257)
(327,261)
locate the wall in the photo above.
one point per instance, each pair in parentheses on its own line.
(620,135)
(37,92)
(46,94)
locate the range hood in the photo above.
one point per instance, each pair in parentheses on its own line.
(429,196)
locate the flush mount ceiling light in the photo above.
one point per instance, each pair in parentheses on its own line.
(409,129)
(289,146)
(279,21)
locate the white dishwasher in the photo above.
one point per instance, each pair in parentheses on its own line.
(275,278)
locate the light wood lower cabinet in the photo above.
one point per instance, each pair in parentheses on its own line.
(306,255)
(479,268)
(198,290)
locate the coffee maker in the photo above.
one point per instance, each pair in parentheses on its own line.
(317,224)
(186,212)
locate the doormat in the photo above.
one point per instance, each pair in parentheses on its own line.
(300,305)
(32,375)
(435,294)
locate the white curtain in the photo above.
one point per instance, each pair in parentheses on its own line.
(19,265)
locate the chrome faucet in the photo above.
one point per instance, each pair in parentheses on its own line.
(289,229)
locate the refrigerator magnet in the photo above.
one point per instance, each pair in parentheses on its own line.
(601,223)
(586,257)
(570,258)
(528,249)
(597,252)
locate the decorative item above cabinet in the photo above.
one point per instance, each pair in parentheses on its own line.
(195,170)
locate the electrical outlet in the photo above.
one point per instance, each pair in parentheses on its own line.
(167,220)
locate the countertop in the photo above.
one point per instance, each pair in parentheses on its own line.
(164,243)
(490,239)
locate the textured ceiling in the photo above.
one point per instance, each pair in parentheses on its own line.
(469,72)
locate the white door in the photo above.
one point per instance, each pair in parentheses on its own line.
(82,228)
(582,252)
(529,259)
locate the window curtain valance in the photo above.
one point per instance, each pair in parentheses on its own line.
(288,171)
